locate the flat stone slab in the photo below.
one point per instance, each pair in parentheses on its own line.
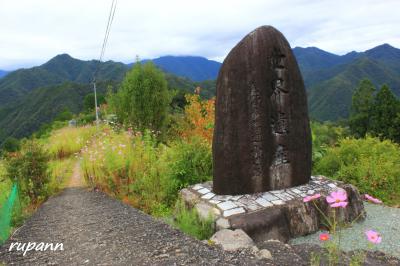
(299,218)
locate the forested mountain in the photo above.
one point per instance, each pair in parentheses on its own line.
(58,70)
(30,97)
(331,79)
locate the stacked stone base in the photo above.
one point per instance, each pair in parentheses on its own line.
(279,214)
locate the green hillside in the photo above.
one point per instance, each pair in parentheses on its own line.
(331,98)
(33,97)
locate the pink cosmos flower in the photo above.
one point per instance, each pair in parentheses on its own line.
(337,199)
(324,237)
(372,199)
(373,236)
(312,197)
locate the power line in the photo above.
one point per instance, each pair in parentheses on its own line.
(106,35)
(103,49)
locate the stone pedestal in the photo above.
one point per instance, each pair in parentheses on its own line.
(279,214)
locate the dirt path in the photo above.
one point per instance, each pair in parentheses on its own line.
(98,230)
(76,179)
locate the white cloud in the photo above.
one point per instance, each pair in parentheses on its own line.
(31,32)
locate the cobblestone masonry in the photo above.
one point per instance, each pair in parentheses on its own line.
(297,217)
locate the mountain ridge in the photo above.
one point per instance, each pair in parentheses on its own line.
(330,81)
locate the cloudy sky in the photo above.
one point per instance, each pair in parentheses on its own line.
(32,32)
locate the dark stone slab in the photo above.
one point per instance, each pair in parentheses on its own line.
(269,223)
(262,138)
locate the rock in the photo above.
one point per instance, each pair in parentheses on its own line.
(232,240)
(222,223)
(268,223)
(262,137)
(206,211)
(189,197)
(264,254)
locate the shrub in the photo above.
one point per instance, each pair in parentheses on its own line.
(325,135)
(11,145)
(199,118)
(29,169)
(189,162)
(370,164)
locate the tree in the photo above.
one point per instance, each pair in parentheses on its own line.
(143,98)
(361,108)
(64,115)
(88,101)
(385,114)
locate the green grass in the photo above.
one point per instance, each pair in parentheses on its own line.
(67,141)
(5,184)
(60,172)
(188,221)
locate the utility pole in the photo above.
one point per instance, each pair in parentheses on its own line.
(95,103)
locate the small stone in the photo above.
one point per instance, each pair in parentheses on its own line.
(263,202)
(295,190)
(332,185)
(269,196)
(278,202)
(214,201)
(232,240)
(235,198)
(197,187)
(310,192)
(204,191)
(254,250)
(222,223)
(226,205)
(264,254)
(253,207)
(234,211)
(208,195)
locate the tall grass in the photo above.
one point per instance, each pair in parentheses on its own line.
(69,140)
(5,184)
(142,172)
(60,171)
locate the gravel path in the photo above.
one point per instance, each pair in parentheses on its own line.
(98,230)
(385,220)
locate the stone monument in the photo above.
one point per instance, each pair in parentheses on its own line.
(262,137)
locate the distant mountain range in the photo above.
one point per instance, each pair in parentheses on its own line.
(193,67)
(331,79)
(31,97)
(3,73)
